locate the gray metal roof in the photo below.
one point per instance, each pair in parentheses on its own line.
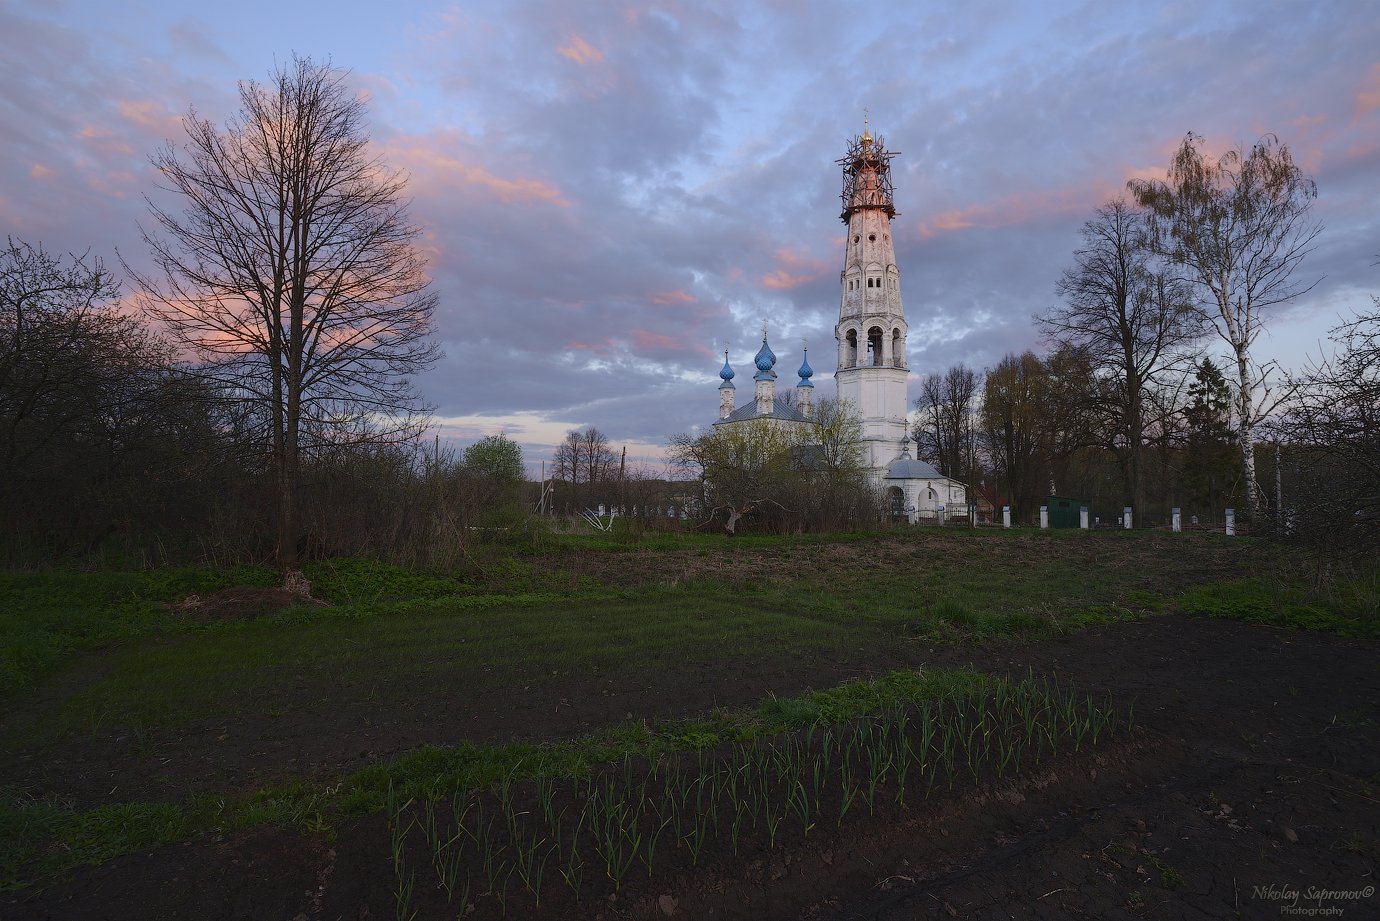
(906,467)
(780,410)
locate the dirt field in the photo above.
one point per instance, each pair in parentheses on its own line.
(1254,774)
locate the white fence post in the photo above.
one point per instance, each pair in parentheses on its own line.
(1006,516)
(1083,517)
(1178,520)
(1126,518)
(1231,522)
(1044,518)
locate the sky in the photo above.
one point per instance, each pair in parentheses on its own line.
(612,193)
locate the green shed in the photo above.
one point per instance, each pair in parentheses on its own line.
(1063,512)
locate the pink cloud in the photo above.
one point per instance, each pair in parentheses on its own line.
(427,155)
(670,298)
(104,140)
(580,51)
(646,340)
(1018,209)
(792,271)
(150,115)
(39,171)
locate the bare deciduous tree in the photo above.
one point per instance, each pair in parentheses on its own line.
(585,461)
(1333,425)
(1131,320)
(58,333)
(1033,419)
(291,273)
(945,431)
(1238,227)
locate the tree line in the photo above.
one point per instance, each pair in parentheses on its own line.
(1127,405)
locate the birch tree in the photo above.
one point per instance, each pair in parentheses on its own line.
(1238,227)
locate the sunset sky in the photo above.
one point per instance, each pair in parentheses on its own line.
(612,191)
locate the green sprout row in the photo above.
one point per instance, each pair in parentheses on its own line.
(591,832)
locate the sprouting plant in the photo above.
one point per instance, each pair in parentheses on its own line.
(449,874)
(799,800)
(736,828)
(405,880)
(848,790)
(649,844)
(573,870)
(774,824)
(699,830)
(532,857)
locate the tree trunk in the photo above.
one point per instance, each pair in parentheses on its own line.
(1135,431)
(1245,410)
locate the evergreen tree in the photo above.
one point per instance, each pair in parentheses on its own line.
(1211,474)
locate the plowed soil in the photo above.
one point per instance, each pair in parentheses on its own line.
(1250,789)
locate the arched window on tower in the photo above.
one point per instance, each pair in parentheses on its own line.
(874,346)
(898,349)
(850,348)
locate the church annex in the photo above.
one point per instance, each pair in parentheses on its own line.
(871,334)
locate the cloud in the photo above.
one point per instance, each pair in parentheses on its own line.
(151,116)
(1368,97)
(433,164)
(793,270)
(671,298)
(1040,206)
(580,51)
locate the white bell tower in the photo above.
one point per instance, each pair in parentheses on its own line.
(871,331)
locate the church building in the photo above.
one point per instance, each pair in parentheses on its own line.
(871,333)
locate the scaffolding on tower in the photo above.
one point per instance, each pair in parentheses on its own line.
(867,176)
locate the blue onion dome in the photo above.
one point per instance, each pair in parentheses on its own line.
(765,358)
(806,372)
(727,372)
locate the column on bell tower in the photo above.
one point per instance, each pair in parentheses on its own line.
(871,331)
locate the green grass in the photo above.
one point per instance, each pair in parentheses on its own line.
(308,660)
(1349,609)
(45,616)
(40,839)
(506,620)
